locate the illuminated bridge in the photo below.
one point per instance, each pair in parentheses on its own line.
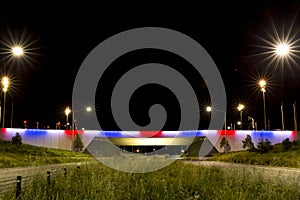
(62,139)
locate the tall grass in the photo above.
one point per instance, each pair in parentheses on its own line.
(28,155)
(177,181)
(275,157)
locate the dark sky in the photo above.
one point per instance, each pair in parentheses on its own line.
(63,37)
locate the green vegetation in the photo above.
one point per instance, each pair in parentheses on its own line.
(248,144)
(287,144)
(78,144)
(225,145)
(264,146)
(26,155)
(17,139)
(177,181)
(278,155)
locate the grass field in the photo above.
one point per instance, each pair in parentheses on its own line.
(177,181)
(275,157)
(27,155)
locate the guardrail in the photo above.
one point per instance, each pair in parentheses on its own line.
(20,182)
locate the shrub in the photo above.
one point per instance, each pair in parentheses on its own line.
(78,144)
(286,144)
(224,144)
(248,144)
(264,146)
(17,139)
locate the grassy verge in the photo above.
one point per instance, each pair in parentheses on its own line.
(177,181)
(275,157)
(27,155)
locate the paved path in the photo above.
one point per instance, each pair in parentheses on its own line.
(272,171)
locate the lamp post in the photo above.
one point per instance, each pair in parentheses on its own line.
(252,122)
(262,84)
(87,109)
(15,51)
(240,109)
(283,52)
(295,116)
(5,83)
(12,115)
(209,109)
(67,112)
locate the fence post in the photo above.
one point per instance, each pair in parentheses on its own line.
(48,177)
(18,189)
(65,172)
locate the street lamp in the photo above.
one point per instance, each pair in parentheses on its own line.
(209,109)
(262,84)
(87,109)
(17,51)
(67,112)
(5,83)
(281,48)
(240,108)
(283,51)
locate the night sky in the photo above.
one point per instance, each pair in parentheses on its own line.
(63,37)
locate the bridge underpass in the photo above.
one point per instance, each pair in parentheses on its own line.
(149,146)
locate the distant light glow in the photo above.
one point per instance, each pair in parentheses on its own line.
(88,109)
(5,83)
(240,107)
(262,83)
(208,109)
(17,51)
(68,111)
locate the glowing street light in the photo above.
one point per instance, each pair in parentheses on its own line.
(209,109)
(283,52)
(240,109)
(17,51)
(263,84)
(5,84)
(67,112)
(282,49)
(87,109)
